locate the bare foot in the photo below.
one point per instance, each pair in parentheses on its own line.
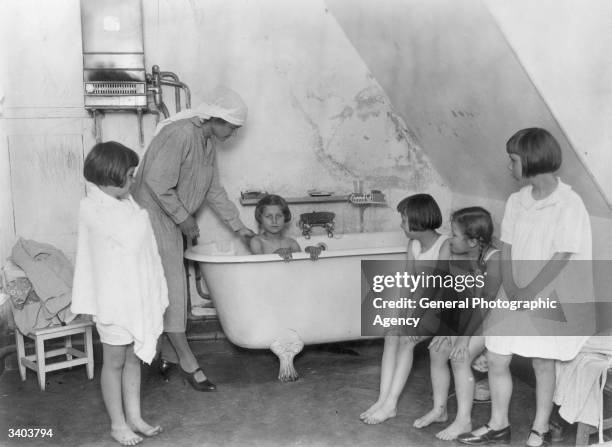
(383,413)
(125,436)
(451,432)
(434,416)
(371,410)
(142,427)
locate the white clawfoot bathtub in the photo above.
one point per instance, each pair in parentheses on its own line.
(264,302)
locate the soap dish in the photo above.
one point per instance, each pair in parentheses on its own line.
(373,198)
(251,194)
(317,193)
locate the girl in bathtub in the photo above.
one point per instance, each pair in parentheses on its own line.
(272,215)
(421,217)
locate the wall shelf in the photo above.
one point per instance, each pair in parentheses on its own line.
(303,199)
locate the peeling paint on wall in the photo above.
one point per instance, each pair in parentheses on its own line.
(334,167)
(47,185)
(386,156)
(346,113)
(369,101)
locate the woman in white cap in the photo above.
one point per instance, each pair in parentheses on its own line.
(177,174)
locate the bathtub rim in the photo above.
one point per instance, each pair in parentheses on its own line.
(193,255)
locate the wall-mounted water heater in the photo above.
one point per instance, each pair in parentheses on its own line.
(114,73)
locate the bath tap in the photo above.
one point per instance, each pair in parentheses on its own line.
(323,219)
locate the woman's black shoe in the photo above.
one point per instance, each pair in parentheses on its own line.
(545,437)
(489,437)
(164,369)
(206,385)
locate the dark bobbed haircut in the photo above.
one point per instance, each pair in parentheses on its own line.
(422,212)
(539,151)
(107,164)
(272,199)
(475,223)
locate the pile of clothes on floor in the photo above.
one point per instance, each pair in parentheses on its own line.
(38,280)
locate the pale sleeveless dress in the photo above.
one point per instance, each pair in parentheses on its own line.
(432,254)
(426,260)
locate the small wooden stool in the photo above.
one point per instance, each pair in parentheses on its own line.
(584,431)
(37,361)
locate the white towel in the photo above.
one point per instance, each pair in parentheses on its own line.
(118,273)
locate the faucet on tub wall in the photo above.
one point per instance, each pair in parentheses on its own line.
(323,219)
(363,200)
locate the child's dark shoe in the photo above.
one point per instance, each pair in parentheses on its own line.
(539,439)
(490,436)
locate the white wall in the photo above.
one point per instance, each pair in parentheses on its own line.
(463,90)
(465,75)
(337,90)
(317,116)
(564,46)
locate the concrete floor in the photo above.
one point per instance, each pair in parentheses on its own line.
(250,408)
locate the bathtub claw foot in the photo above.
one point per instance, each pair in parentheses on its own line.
(286,349)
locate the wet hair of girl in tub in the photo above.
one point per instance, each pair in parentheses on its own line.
(272,214)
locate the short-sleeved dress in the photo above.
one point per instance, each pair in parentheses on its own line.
(537,229)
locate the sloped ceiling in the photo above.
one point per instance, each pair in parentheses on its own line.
(450,73)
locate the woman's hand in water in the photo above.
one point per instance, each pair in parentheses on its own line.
(284,253)
(246,234)
(189,227)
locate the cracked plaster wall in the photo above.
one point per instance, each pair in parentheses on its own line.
(454,77)
(317,117)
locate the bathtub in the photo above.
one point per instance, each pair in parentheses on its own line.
(264,302)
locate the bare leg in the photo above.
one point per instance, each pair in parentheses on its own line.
(464,390)
(111,383)
(545,386)
(389,359)
(185,355)
(500,382)
(440,384)
(131,395)
(403,366)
